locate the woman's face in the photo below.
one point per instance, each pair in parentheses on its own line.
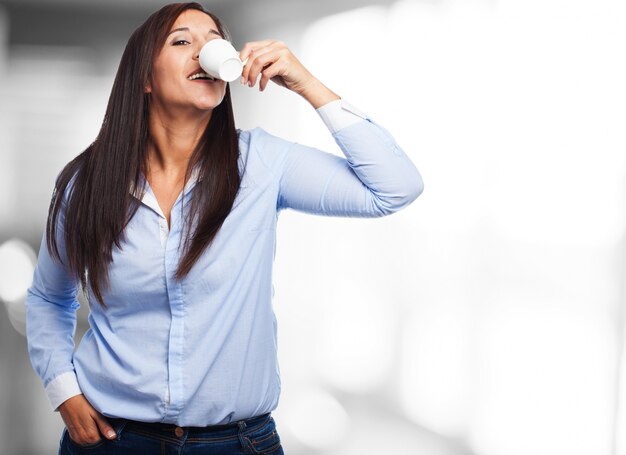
(170,85)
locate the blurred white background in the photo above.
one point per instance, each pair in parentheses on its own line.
(487,318)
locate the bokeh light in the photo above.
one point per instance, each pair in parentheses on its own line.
(17,263)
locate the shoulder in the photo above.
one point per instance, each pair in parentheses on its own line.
(69,177)
(259,144)
(65,181)
(259,136)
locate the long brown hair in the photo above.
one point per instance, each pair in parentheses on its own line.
(98,204)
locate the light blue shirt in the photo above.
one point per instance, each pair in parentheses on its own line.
(203,350)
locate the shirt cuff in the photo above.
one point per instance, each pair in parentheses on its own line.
(62,388)
(339,114)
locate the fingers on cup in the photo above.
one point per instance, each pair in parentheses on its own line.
(259,56)
(249,53)
(246,68)
(261,62)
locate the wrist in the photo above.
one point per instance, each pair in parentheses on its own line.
(69,401)
(317,94)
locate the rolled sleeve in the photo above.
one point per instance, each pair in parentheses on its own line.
(340,114)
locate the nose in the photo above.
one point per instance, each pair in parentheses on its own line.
(199,46)
(196,54)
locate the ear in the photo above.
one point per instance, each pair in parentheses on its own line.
(147,88)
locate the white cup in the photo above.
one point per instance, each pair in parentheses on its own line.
(221,60)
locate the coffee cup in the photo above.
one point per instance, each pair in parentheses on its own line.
(221,60)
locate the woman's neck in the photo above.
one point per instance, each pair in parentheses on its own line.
(173,138)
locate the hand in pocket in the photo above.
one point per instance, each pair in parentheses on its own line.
(84,423)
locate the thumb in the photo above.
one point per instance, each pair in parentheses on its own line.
(105,427)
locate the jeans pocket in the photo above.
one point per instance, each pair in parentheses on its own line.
(265,439)
(91,446)
(118,425)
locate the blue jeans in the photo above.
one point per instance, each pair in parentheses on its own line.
(256,435)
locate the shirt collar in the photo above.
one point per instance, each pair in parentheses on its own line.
(138,194)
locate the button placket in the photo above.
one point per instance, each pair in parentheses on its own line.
(175,358)
(164,230)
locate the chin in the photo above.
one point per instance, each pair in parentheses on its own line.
(212,99)
(208,104)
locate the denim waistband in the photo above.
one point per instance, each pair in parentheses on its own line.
(169,428)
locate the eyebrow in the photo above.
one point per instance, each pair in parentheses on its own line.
(186,29)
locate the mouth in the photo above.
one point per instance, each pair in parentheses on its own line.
(200,75)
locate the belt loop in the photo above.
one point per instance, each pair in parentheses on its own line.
(242,441)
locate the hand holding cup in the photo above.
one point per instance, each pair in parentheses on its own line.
(274,61)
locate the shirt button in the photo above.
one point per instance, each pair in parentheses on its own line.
(179,432)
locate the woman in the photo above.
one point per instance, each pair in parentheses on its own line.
(168,221)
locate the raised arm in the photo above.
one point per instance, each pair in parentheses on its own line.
(376,178)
